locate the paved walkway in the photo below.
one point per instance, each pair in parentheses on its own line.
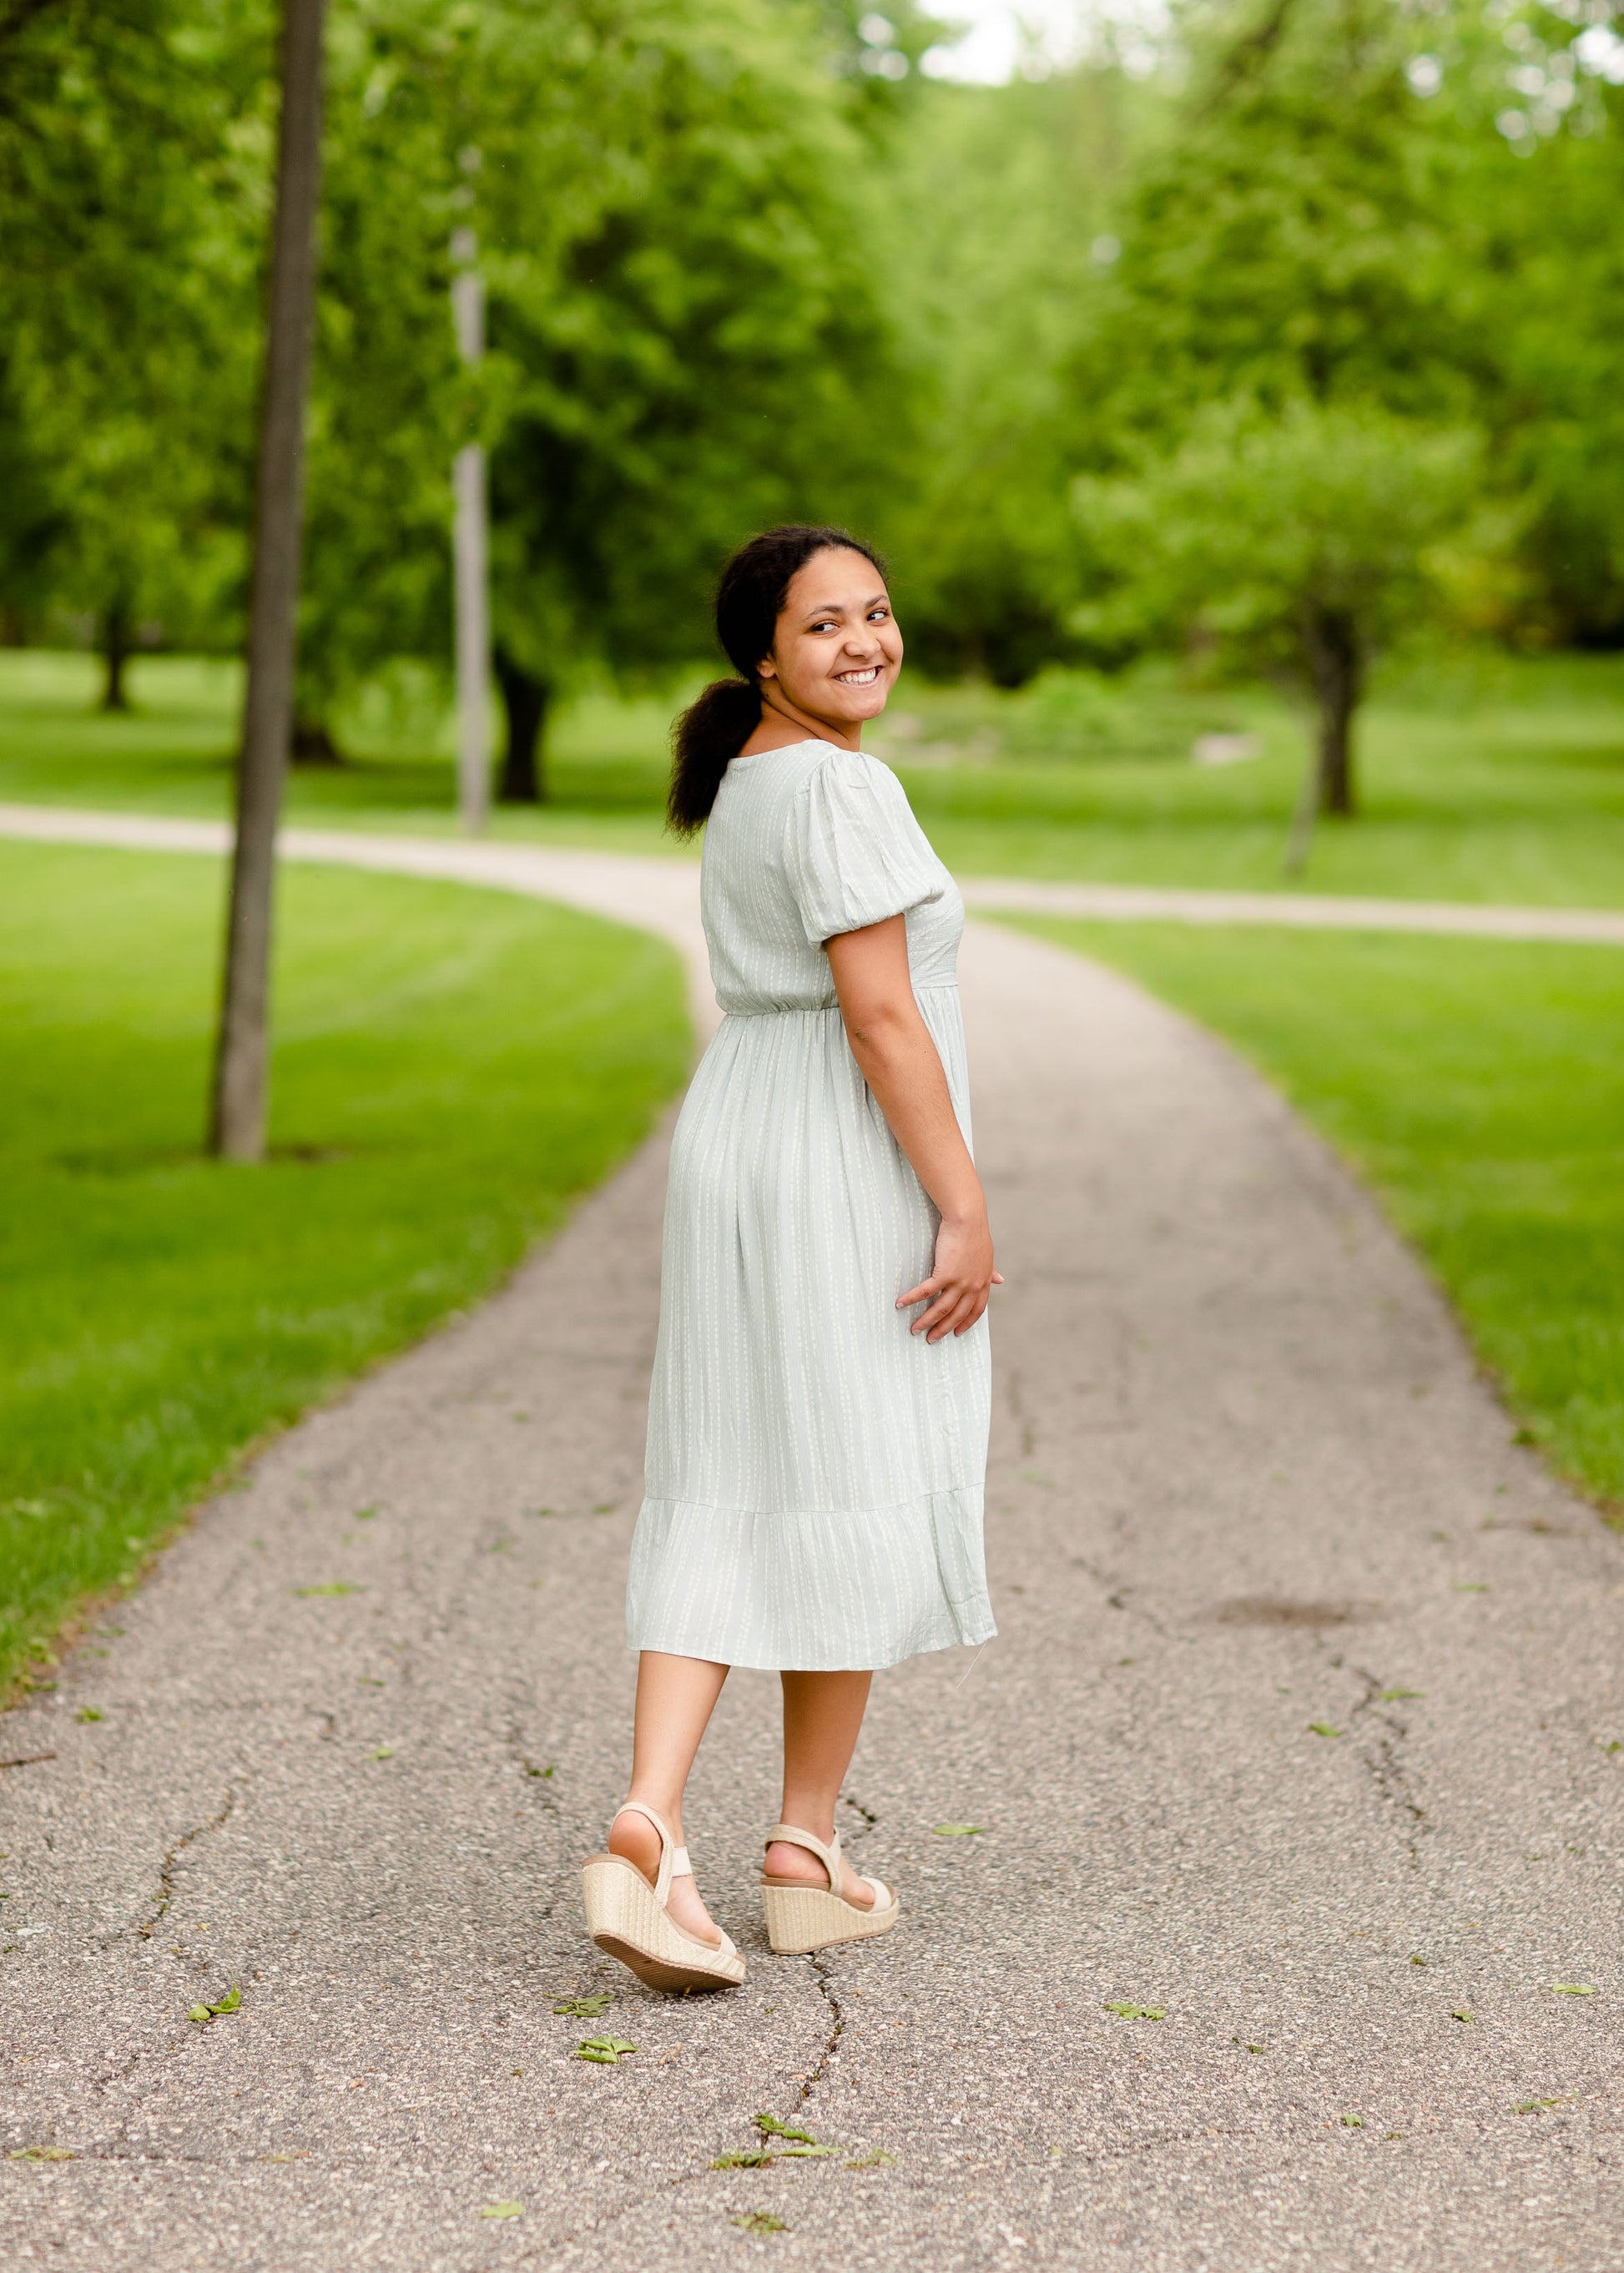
(518,868)
(1298,1733)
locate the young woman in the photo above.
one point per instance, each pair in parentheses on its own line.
(817,1426)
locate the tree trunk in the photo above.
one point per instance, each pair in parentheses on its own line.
(313,744)
(117,646)
(239,1099)
(525,699)
(1337,660)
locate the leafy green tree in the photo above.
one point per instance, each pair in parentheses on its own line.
(1298,543)
(1283,240)
(125,305)
(995,227)
(708,361)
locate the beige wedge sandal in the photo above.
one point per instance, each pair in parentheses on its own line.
(627,1917)
(802,1917)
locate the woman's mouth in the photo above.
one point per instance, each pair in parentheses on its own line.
(865,677)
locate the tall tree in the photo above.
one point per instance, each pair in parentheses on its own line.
(1298,542)
(241,1053)
(126,167)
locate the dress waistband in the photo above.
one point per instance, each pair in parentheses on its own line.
(832,1009)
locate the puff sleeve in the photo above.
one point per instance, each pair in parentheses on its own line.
(855,853)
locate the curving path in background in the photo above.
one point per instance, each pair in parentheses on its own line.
(1304,1728)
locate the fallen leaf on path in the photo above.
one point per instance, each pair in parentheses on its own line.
(1460,2016)
(751,2158)
(1140,2012)
(543,1773)
(364,1514)
(1571,1989)
(1470,1587)
(41,2154)
(229,2003)
(384,1752)
(1322,1729)
(503,2210)
(89,1713)
(1395,1696)
(807,2152)
(584,2008)
(338,1587)
(760,2220)
(770,2126)
(1353,2123)
(604,2050)
(1537,2106)
(959,1830)
(875,2160)
(1416,1960)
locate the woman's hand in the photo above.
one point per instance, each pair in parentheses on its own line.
(961,1278)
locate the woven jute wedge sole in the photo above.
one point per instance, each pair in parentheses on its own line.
(624,1917)
(801,1918)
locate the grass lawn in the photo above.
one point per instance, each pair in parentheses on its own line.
(1485,778)
(452,1068)
(1479,1089)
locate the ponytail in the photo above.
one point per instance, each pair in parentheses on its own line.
(749,599)
(704,742)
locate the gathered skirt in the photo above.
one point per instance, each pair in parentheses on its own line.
(815,1472)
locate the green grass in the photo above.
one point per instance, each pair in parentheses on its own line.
(452,1068)
(1484,777)
(1479,1089)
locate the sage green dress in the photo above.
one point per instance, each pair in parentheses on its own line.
(815,1471)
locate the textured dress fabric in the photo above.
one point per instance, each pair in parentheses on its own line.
(815,1471)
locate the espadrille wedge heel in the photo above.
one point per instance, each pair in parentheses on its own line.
(802,1917)
(627,1917)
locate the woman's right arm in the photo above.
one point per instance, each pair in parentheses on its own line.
(900,1063)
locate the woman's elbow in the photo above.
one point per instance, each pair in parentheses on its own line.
(877,1028)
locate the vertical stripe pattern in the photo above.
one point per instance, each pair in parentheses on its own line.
(815,1471)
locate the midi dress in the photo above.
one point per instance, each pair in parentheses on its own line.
(815,1472)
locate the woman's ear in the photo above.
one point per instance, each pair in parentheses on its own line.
(766,668)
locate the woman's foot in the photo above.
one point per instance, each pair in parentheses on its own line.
(634,1838)
(787,1862)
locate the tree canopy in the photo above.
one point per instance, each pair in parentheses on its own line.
(750,262)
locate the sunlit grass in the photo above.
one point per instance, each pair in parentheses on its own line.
(452,1068)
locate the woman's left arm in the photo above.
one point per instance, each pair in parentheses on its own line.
(901,1065)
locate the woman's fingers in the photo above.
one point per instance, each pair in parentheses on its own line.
(917,1295)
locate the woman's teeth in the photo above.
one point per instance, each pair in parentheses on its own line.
(865,678)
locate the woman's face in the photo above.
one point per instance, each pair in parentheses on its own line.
(837,650)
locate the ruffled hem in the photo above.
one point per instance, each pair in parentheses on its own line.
(825,1591)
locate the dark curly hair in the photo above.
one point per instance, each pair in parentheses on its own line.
(749,600)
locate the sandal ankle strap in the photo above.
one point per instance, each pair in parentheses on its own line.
(674,1862)
(828,1856)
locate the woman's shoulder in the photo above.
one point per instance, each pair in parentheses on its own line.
(849,773)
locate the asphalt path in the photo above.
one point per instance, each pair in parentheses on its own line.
(1250,1876)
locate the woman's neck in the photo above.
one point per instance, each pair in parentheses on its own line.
(781,724)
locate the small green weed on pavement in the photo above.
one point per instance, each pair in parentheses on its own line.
(452,1068)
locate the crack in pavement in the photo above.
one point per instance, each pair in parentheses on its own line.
(1383,1763)
(165,1868)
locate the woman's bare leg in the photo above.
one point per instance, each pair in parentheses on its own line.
(823,1713)
(676,1697)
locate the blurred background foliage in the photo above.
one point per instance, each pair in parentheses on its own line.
(754,261)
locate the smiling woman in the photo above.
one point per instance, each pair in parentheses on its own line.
(816,1453)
